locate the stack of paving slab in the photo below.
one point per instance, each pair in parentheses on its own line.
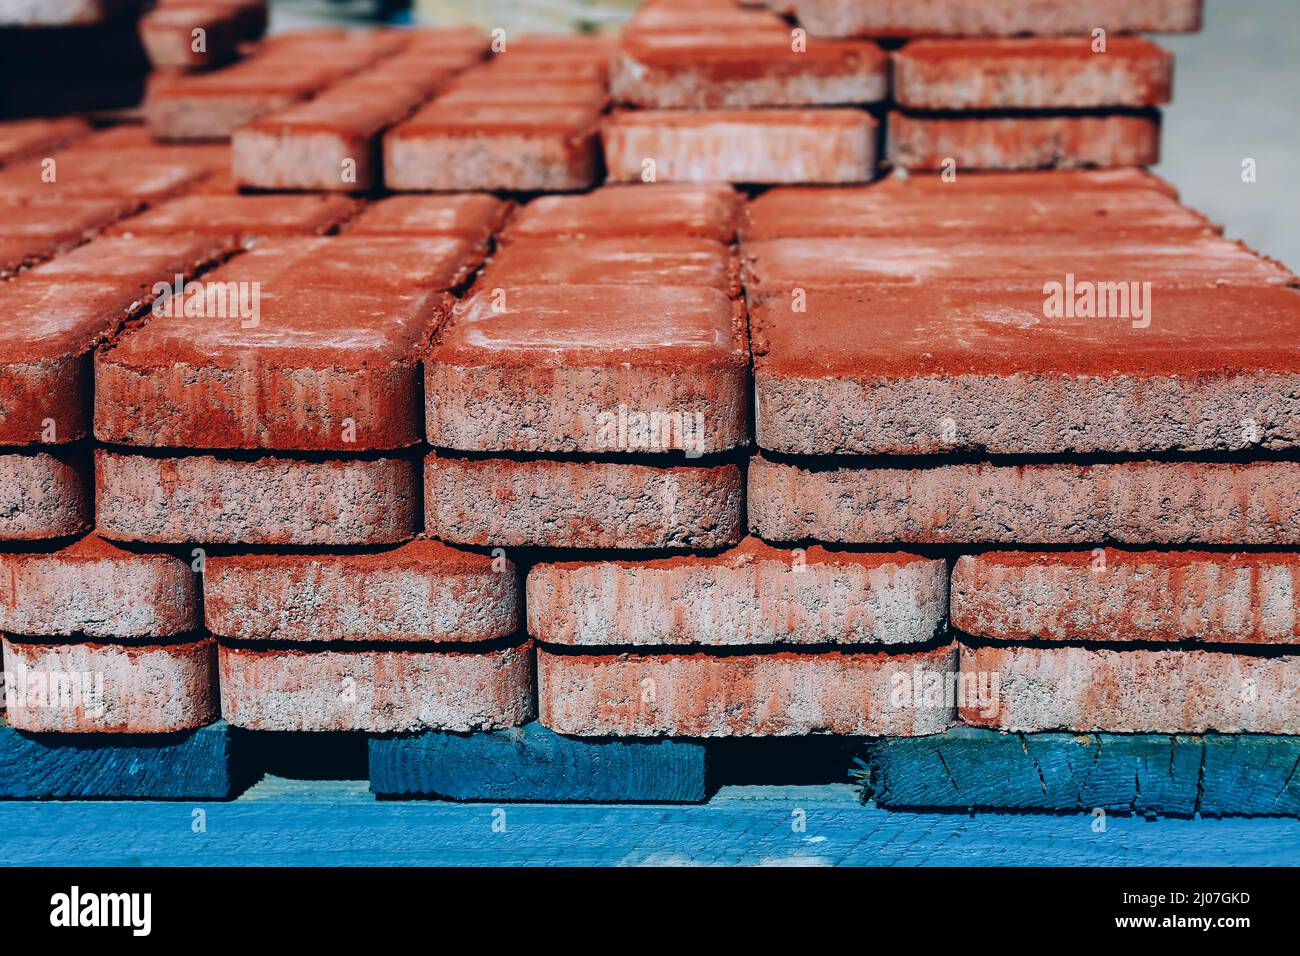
(1082,391)
(526,120)
(708,91)
(991,477)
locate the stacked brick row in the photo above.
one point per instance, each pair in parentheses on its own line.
(1111,373)
(712,91)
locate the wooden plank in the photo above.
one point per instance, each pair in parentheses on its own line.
(320,830)
(1251,776)
(531,763)
(194,765)
(1148,774)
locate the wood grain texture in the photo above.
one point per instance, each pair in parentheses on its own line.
(1146,774)
(352,828)
(531,763)
(194,765)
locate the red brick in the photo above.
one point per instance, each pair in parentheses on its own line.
(942,368)
(590,369)
(1211,598)
(742,146)
(1135,691)
(473,216)
(750,594)
(742,70)
(95,588)
(169,36)
(262,501)
(475,89)
(1131,502)
(1024,142)
(493,147)
(1005,264)
(706,210)
(663,262)
(241,218)
(570,504)
(250,15)
(422,591)
(377,690)
(907,18)
(88,173)
(213,105)
(334,370)
(111,688)
(20,139)
(972,206)
(543,69)
(1032,74)
(332,142)
(42,496)
(59,314)
(776,694)
(358,263)
(61,223)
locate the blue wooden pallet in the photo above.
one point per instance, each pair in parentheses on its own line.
(534,764)
(341,823)
(195,765)
(1149,774)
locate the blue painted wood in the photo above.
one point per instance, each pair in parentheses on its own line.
(1251,775)
(196,765)
(532,763)
(1149,774)
(353,828)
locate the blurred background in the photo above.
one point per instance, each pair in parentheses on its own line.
(1237,95)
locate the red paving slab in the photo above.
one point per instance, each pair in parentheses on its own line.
(705,210)
(95,588)
(377,691)
(264,501)
(741,146)
(712,70)
(473,216)
(91,173)
(170,40)
(59,313)
(1135,691)
(20,139)
(458,148)
(1122,596)
(134,263)
(43,495)
(330,370)
(1136,503)
(1006,263)
(653,261)
(1024,142)
(241,218)
(1032,74)
(582,504)
(641,369)
(331,143)
(968,207)
(359,263)
(478,89)
(32,230)
(941,368)
(773,694)
(112,688)
(752,594)
(907,18)
(421,591)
